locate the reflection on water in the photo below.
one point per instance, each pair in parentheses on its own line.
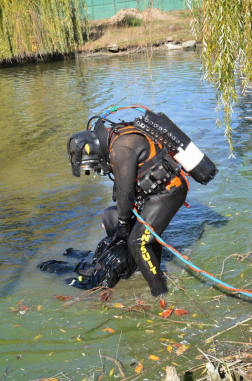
(44,209)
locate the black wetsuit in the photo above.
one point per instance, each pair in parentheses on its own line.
(127,152)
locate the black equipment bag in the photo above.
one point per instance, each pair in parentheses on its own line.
(110,263)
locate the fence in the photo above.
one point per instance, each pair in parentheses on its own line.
(104,9)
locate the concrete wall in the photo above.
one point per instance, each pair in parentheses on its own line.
(104,9)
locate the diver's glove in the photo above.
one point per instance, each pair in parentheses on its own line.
(123,229)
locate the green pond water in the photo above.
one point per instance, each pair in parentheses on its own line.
(45,210)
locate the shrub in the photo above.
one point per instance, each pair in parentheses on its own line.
(129,21)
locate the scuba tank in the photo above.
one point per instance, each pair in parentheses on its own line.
(178,144)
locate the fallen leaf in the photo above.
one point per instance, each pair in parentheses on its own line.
(49,379)
(163,339)
(105,295)
(181,312)
(21,301)
(139,368)
(119,305)
(14,309)
(149,321)
(154,358)
(111,372)
(100,377)
(39,308)
(194,315)
(62,297)
(62,330)
(182,335)
(177,344)
(16,325)
(167,313)
(78,338)
(169,348)
(37,337)
(149,331)
(162,303)
(110,330)
(174,363)
(140,302)
(182,349)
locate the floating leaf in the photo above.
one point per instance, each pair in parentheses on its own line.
(13,309)
(110,330)
(167,313)
(111,372)
(162,303)
(169,348)
(119,305)
(181,312)
(16,325)
(140,302)
(149,331)
(100,377)
(49,379)
(37,337)
(39,307)
(105,295)
(62,330)
(154,358)
(62,297)
(182,349)
(139,368)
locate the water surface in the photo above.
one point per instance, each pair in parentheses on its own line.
(44,210)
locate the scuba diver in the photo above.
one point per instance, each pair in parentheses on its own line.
(150,159)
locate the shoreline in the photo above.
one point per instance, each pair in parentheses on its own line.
(109,38)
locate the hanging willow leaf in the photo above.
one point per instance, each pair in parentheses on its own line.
(224,27)
(40,27)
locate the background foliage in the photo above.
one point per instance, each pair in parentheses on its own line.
(225,29)
(32,28)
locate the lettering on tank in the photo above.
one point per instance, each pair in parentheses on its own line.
(146,256)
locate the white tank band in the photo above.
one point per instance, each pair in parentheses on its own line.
(190,157)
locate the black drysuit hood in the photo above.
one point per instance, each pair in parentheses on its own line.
(89,150)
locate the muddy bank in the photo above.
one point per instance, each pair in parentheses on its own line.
(131,31)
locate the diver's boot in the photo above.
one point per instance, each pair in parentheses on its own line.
(59,267)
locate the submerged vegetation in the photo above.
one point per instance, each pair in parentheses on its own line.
(37,28)
(225,28)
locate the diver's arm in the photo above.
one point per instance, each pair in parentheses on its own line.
(124,163)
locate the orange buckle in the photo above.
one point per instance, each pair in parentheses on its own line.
(176,182)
